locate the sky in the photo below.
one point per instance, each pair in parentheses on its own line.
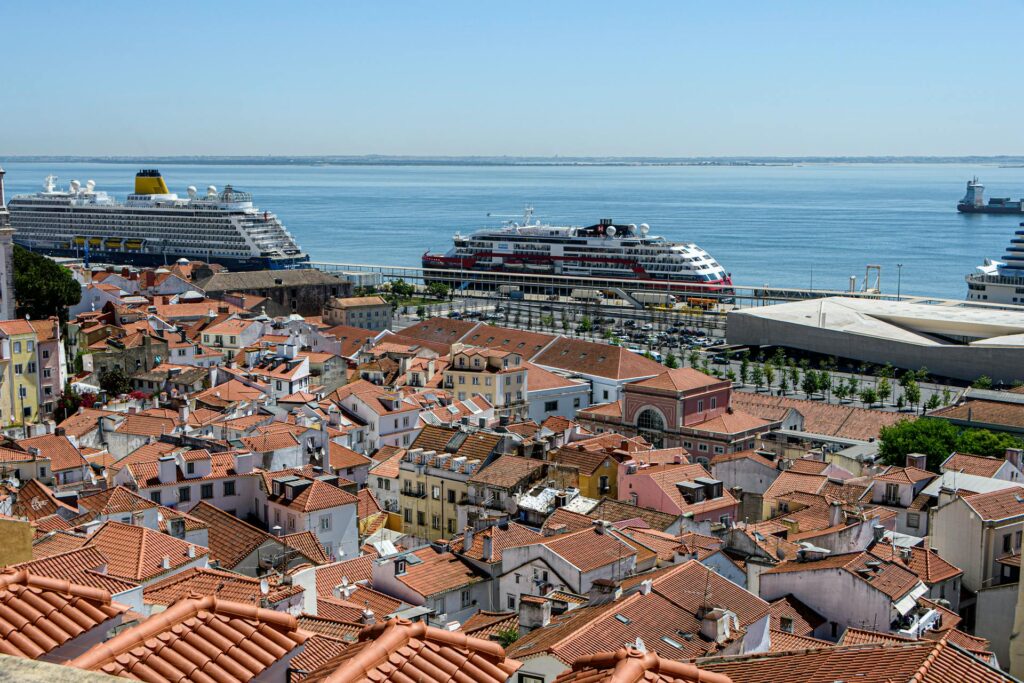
(523,78)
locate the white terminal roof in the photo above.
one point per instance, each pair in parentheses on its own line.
(915,322)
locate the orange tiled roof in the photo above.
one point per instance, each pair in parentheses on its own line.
(891,578)
(827,419)
(57,543)
(319,495)
(402,650)
(679,380)
(39,614)
(146,425)
(806,466)
(984,412)
(341,458)
(388,459)
(612,510)
(485,624)
(339,630)
(667,476)
(82,566)
(630,665)
(512,536)
(918,661)
(270,441)
(317,651)
(147,474)
(997,505)
(83,422)
(508,471)
(978,465)
(34,500)
(924,562)
(601,360)
(114,501)
(437,572)
(783,641)
(61,452)
(307,543)
(802,619)
(331,575)
(216,583)
(136,553)
(231,539)
(178,644)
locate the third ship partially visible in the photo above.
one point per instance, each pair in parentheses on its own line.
(974,201)
(604,250)
(153,226)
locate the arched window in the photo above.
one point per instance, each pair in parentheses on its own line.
(652,426)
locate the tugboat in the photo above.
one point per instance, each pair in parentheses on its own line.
(974,201)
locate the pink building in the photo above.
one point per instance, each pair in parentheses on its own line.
(677,488)
(51,362)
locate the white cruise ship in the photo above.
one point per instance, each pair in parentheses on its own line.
(153,226)
(1001,282)
(605,250)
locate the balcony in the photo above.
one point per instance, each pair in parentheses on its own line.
(414,493)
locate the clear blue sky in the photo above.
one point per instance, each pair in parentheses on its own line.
(517,78)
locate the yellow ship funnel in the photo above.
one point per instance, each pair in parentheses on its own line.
(149,181)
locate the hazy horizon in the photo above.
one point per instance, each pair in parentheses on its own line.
(531,79)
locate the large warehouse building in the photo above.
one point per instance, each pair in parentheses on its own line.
(960,341)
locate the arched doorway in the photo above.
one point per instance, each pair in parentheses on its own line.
(651,426)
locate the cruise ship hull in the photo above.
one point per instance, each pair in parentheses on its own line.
(618,269)
(145,259)
(1009,207)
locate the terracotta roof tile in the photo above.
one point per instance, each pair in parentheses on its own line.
(979,465)
(512,536)
(318,495)
(801,619)
(307,543)
(35,500)
(438,572)
(997,505)
(891,578)
(601,360)
(39,614)
(331,575)
(827,419)
(56,543)
(339,630)
(83,422)
(402,650)
(146,425)
(680,380)
(612,510)
(317,651)
(61,452)
(924,562)
(231,540)
(629,665)
(905,475)
(216,583)
(508,471)
(487,625)
(984,412)
(341,458)
(198,639)
(113,501)
(83,566)
(136,553)
(271,441)
(918,661)
(782,641)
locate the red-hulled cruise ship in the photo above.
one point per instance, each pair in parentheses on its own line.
(605,250)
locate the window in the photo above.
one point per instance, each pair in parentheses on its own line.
(466,599)
(407,514)
(719,449)
(724,519)
(229,488)
(512,605)
(700,406)
(47,373)
(786,624)
(435,523)
(190,467)
(18,368)
(30,345)
(42,473)
(650,420)
(451,496)
(1007,543)
(550,406)
(184,494)
(291,522)
(325,522)
(605,394)
(31,367)
(451,526)
(604,483)
(206,491)
(1016,540)
(421,518)
(913,520)
(714,402)
(835,629)
(435,492)
(155,497)
(702,447)
(17,347)
(576,402)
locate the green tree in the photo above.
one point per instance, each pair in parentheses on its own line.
(757,376)
(731,375)
(985,442)
(794,374)
(67,404)
(932,437)
(744,369)
(586,324)
(983,382)
(548,320)
(694,358)
(933,402)
(438,290)
(900,403)
(769,375)
(671,361)
(809,384)
(507,636)
(869,396)
(913,393)
(884,389)
(840,390)
(42,287)
(115,382)
(421,312)
(402,289)
(783,383)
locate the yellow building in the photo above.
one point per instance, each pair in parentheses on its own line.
(20,366)
(498,376)
(433,476)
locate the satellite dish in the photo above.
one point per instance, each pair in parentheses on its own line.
(610,231)
(191,191)
(75,185)
(644,228)
(90,185)
(211,190)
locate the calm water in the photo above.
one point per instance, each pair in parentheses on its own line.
(793,226)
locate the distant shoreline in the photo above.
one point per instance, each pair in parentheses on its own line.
(374,160)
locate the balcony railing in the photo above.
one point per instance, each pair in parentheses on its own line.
(414,493)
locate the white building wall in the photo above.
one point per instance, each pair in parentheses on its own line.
(835,594)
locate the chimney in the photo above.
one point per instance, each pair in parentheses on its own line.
(534,613)
(488,548)
(243,462)
(168,469)
(367,616)
(835,513)
(645,586)
(1014,456)
(877,532)
(166,563)
(603,591)
(191,551)
(918,460)
(183,414)
(717,624)
(467,539)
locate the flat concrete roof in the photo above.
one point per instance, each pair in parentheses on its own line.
(911,322)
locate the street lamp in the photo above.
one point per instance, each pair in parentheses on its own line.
(899,280)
